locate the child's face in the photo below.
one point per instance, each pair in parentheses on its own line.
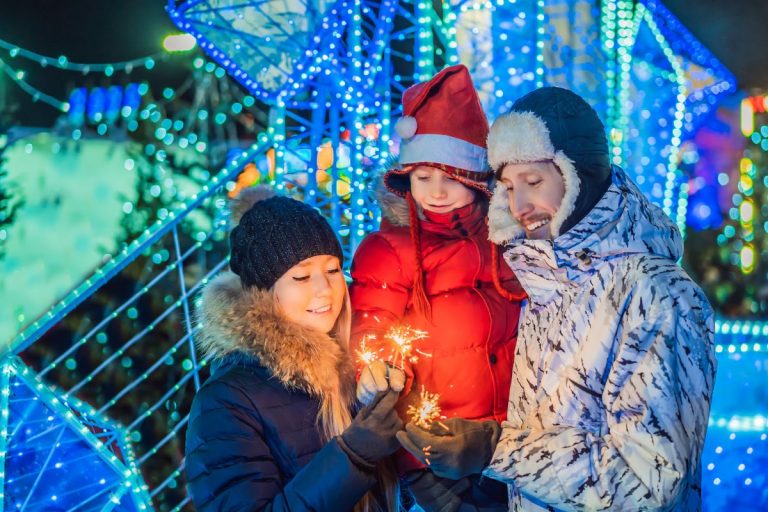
(535,191)
(435,191)
(311,293)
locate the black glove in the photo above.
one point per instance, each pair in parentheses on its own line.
(371,435)
(464,448)
(435,494)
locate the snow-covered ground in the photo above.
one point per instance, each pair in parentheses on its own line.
(69,222)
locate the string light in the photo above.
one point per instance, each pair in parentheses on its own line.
(63,62)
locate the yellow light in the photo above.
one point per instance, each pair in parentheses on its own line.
(746,184)
(179,43)
(747,258)
(616,136)
(747,117)
(746,167)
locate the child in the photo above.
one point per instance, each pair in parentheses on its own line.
(271,429)
(431,266)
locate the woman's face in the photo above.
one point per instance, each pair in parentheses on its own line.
(311,293)
(535,191)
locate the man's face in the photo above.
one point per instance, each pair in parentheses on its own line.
(535,191)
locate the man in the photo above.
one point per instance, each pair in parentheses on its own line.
(615,365)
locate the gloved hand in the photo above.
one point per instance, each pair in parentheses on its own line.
(376,377)
(435,494)
(371,435)
(464,448)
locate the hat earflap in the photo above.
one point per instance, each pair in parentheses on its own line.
(502,226)
(572,185)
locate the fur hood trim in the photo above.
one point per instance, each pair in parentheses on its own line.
(234,319)
(394,208)
(520,137)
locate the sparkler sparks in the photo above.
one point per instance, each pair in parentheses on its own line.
(403,337)
(427,411)
(365,354)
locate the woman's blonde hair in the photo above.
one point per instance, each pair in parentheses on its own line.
(334,416)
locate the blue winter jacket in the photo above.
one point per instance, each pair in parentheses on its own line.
(253,441)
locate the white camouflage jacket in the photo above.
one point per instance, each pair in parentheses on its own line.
(614,368)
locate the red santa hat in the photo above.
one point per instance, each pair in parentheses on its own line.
(444,126)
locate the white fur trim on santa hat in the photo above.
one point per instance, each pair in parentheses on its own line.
(443,149)
(520,137)
(406,127)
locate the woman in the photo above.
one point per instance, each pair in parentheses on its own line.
(271,429)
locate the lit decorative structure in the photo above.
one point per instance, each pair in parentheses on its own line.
(665,81)
(61,454)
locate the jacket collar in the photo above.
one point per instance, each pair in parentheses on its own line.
(622,223)
(244,324)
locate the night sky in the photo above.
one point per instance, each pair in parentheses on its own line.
(110,30)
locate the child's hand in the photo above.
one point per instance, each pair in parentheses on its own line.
(379,376)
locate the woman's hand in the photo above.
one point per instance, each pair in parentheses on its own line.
(372,434)
(377,377)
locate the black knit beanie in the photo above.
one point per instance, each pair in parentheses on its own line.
(273,234)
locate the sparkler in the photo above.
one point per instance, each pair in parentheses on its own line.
(365,354)
(403,337)
(427,411)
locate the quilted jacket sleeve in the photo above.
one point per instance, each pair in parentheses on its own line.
(656,399)
(230,466)
(379,292)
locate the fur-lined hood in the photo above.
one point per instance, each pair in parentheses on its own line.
(393,207)
(237,321)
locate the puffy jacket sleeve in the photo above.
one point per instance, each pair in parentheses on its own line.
(380,291)
(230,466)
(656,397)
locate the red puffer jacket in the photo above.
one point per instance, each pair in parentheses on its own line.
(473,330)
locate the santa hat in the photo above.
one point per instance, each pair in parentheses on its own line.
(555,125)
(443,126)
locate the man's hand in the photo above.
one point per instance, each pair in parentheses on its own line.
(453,448)
(435,494)
(377,377)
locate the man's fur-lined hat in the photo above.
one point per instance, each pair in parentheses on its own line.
(555,125)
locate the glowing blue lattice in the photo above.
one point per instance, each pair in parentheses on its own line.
(268,46)
(653,99)
(501,45)
(60,455)
(282,51)
(707,80)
